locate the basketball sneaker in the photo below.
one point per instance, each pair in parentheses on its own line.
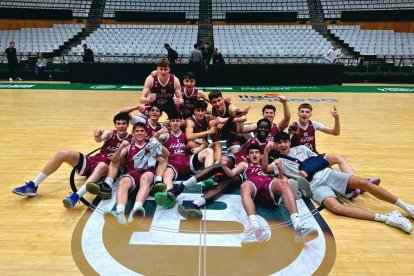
(255,235)
(189,210)
(71,200)
(303,233)
(396,220)
(209,184)
(162,199)
(157,188)
(373,180)
(29,189)
(410,210)
(120,216)
(100,188)
(135,213)
(175,191)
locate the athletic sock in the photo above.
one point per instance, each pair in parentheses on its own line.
(137,205)
(120,208)
(110,182)
(295,220)
(201,201)
(401,204)
(190,182)
(39,179)
(82,190)
(157,178)
(253,221)
(381,217)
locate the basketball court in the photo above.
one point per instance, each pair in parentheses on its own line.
(39,236)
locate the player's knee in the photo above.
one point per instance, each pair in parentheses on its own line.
(338,208)
(245,187)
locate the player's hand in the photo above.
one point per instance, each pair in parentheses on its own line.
(269,146)
(124,144)
(282,99)
(335,112)
(303,174)
(212,130)
(227,100)
(293,129)
(141,108)
(154,73)
(224,160)
(163,130)
(176,101)
(98,133)
(151,97)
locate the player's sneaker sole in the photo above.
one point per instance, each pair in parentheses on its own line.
(189,213)
(95,189)
(163,199)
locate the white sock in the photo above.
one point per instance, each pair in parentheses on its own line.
(82,190)
(201,201)
(190,182)
(381,217)
(253,221)
(110,182)
(137,205)
(120,208)
(157,178)
(39,179)
(295,220)
(401,204)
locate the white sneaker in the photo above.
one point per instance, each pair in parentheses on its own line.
(10,79)
(120,216)
(133,212)
(255,235)
(410,210)
(304,233)
(396,220)
(19,79)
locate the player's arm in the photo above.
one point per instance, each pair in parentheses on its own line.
(265,159)
(146,97)
(129,109)
(101,135)
(284,123)
(189,131)
(247,128)
(120,152)
(336,130)
(203,95)
(161,135)
(178,97)
(165,152)
(241,167)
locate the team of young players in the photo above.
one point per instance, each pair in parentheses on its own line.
(156,155)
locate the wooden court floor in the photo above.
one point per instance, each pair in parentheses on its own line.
(377,137)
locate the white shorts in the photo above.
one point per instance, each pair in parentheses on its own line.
(328,183)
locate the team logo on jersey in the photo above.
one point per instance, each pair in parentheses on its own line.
(166,243)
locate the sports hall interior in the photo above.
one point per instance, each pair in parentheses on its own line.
(268,46)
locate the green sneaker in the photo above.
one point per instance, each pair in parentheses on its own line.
(101,189)
(162,199)
(135,212)
(189,210)
(209,184)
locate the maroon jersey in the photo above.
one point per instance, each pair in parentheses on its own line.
(306,136)
(274,130)
(187,109)
(150,128)
(132,151)
(199,127)
(255,173)
(224,114)
(112,143)
(241,156)
(176,144)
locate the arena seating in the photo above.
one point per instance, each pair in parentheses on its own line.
(332,8)
(396,47)
(220,7)
(190,7)
(80,8)
(30,41)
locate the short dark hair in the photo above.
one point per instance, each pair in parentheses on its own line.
(157,106)
(264,120)
(214,95)
(282,136)
(139,124)
(84,44)
(305,105)
(269,106)
(253,147)
(175,115)
(200,104)
(166,45)
(189,75)
(124,116)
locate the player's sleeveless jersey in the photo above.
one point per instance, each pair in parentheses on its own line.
(112,143)
(306,136)
(176,144)
(151,129)
(165,93)
(187,109)
(224,114)
(255,172)
(274,130)
(199,127)
(132,151)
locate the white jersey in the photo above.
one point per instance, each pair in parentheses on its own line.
(333,55)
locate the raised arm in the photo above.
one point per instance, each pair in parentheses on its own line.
(203,95)
(286,113)
(101,135)
(120,152)
(178,97)
(265,159)
(241,167)
(336,130)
